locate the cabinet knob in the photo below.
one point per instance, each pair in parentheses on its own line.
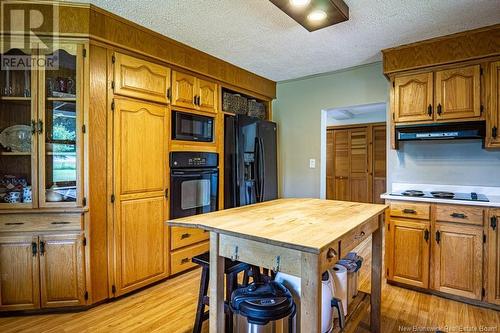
(331,253)
(186,235)
(429,110)
(439,109)
(458,215)
(409,211)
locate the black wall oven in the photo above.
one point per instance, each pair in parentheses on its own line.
(194,183)
(192,127)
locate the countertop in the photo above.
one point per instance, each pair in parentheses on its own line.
(493,194)
(309,225)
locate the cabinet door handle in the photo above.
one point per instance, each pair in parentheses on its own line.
(429,110)
(493,222)
(186,235)
(42,248)
(494,132)
(14,223)
(33,127)
(438,236)
(458,215)
(184,260)
(409,211)
(439,109)
(426,235)
(40,126)
(34,249)
(57,223)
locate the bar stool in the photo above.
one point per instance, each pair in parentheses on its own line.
(231,270)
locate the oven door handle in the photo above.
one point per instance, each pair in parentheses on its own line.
(193,174)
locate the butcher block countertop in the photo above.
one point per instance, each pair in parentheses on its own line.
(309,225)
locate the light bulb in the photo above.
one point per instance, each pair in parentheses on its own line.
(317,15)
(299,3)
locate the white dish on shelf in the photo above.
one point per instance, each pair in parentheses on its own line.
(16,138)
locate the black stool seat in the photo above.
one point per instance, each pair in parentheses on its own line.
(229,265)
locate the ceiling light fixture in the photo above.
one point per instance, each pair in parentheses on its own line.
(317,15)
(314,14)
(299,3)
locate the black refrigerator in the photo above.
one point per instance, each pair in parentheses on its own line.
(250,169)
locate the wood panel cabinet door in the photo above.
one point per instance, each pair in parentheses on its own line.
(458,259)
(457,93)
(140,168)
(360,165)
(62,274)
(409,247)
(413,98)
(493,252)
(341,161)
(379,139)
(141,79)
(207,94)
(493,120)
(330,193)
(19,274)
(184,90)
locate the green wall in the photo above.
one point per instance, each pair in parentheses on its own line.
(297,110)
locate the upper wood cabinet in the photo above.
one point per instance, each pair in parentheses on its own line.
(493,121)
(62,276)
(194,93)
(413,98)
(493,254)
(457,93)
(140,209)
(409,248)
(137,78)
(19,283)
(458,259)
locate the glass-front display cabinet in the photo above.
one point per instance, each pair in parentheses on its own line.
(41,126)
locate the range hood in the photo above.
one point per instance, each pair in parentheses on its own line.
(446,131)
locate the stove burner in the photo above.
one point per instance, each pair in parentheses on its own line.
(443,195)
(413,193)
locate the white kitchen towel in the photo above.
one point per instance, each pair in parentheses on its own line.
(339,273)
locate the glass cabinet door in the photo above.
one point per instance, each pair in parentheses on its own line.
(60,127)
(17,130)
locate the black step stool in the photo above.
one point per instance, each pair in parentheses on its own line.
(231,270)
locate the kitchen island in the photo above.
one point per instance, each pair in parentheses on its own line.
(302,237)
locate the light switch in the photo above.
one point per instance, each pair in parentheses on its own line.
(312,163)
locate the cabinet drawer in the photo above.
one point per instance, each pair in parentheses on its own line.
(180,260)
(412,210)
(40,222)
(181,237)
(356,236)
(460,214)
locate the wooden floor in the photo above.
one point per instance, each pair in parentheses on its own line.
(170,306)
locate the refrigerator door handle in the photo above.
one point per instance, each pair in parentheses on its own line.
(261,169)
(256,163)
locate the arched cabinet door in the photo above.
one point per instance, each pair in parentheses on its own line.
(458,93)
(413,98)
(207,91)
(184,90)
(140,132)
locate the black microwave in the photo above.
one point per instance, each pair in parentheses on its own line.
(192,127)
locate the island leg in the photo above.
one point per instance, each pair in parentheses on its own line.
(376,278)
(216,308)
(310,294)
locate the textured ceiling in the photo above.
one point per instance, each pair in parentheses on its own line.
(257,36)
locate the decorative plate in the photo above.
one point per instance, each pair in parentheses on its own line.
(16,138)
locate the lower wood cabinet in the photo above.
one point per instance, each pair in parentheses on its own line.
(493,253)
(409,252)
(41,271)
(19,271)
(180,260)
(458,260)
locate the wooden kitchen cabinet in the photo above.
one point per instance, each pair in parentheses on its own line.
(192,92)
(493,253)
(207,92)
(19,283)
(409,248)
(137,78)
(141,178)
(183,90)
(457,93)
(413,98)
(360,183)
(62,275)
(493,119)
(458,259)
